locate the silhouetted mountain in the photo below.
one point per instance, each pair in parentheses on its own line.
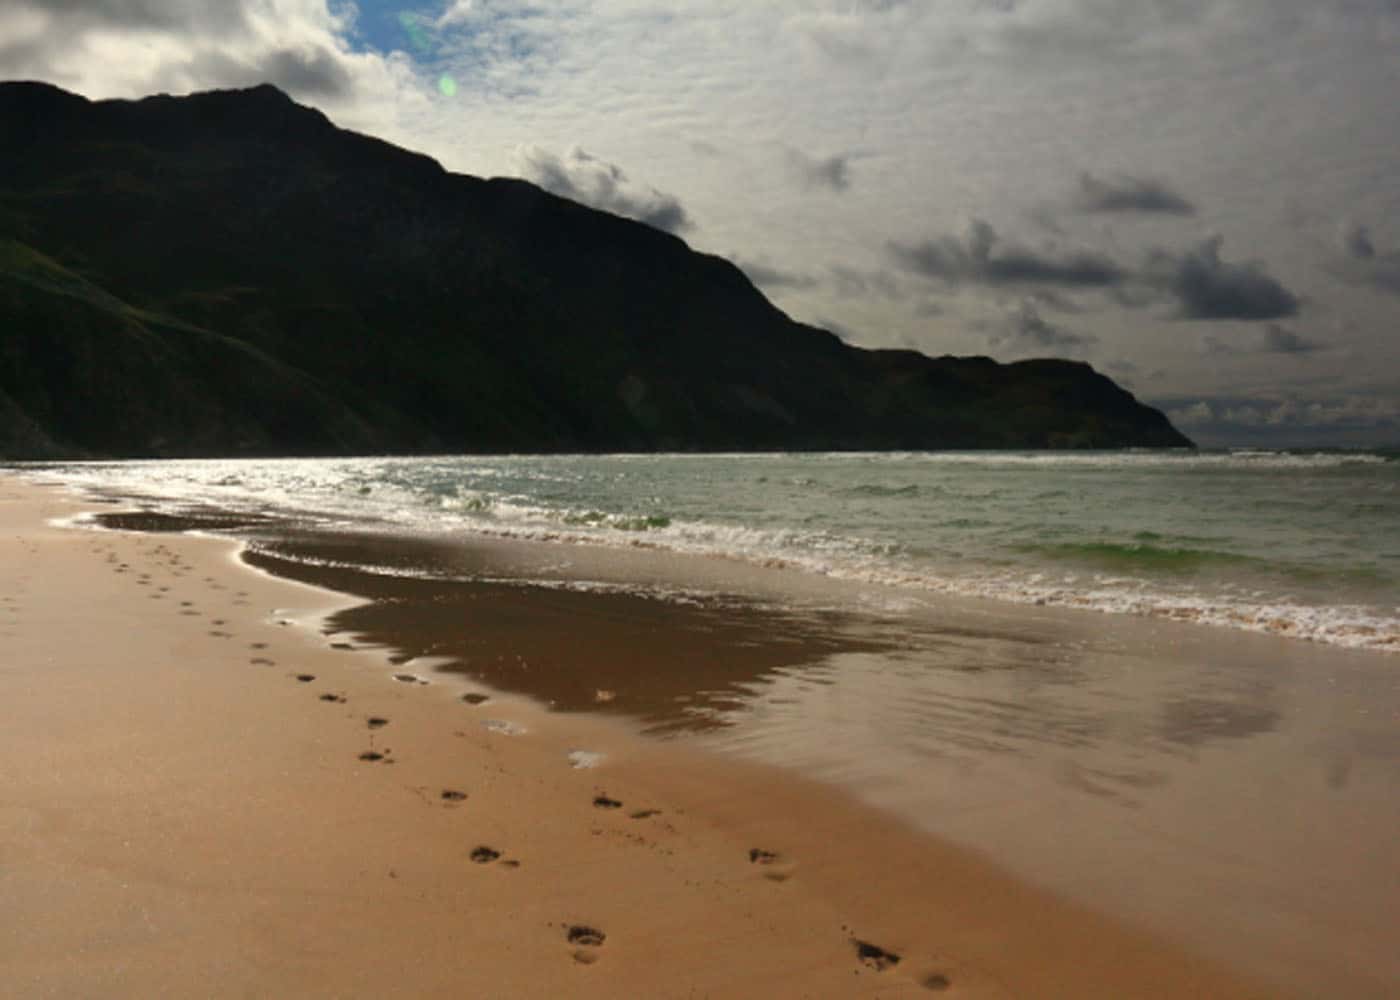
(229,273)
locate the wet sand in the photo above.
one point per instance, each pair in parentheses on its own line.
(204,792)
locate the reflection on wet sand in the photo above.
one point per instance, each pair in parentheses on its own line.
(674,666)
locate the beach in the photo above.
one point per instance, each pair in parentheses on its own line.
(201,799)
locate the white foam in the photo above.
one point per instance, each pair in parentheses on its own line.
(494,498)
(503,726)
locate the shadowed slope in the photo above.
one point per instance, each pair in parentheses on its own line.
(304,288)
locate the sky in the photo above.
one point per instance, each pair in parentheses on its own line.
(1201,198)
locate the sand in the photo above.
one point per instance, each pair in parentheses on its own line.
(203,795)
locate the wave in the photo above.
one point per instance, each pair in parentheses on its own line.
(962,540)
(881,490)
(1139,555)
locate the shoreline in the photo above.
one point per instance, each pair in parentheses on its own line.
(1105,562)
(186,812)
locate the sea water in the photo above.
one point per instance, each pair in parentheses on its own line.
(1301,544)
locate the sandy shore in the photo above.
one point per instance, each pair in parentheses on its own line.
(187,808)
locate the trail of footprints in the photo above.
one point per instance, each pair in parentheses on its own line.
(584,941)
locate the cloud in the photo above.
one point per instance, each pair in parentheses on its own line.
(766,276)
(1362,263)
(851,282)
(1356,240)
(832,172)
(1203,286)
(980,258)
(1208,288)
(1024,332)
(1287,419)
(585,178)
(1280,340)
(159,15)
(1272,339)
(456,12)
(301,72)
(1126,195)
(131,48)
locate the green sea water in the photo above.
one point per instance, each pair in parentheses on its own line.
(1303,544)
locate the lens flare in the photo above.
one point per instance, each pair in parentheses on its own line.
(447,86)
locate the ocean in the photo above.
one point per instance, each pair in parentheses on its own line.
(1300,544)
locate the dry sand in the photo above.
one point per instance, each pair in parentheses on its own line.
(185,811)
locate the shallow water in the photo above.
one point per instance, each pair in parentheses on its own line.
(1300,544)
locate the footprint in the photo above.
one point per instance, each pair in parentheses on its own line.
(472,698)
(375,722)
(645,813)
(603,802)
(451,795)
(409,679)
(873,956)
(485,855)
(772,870)
(329,696)
(588,938)
(306,678)
(372,755)
(262,661)
(937,982)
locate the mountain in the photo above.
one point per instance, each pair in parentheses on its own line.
(230,274)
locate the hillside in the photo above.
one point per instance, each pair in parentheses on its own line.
(230,274)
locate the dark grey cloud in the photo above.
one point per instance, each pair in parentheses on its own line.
(585,178)
(1363,263)
(308,73)
(1272,339)
(1202,285)
(979,257)
(1281,340)
(832,173)
(313,72)
(1126,195)
(164,15)
(1206,287)
(1051,299)
(1356,240)
(1025,331)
